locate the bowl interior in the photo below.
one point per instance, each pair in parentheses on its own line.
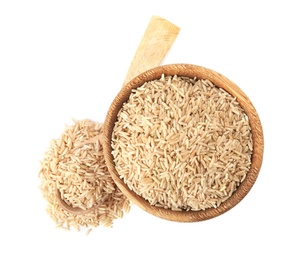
(217,79)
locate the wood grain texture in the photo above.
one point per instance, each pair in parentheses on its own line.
(219,80)
(156,42)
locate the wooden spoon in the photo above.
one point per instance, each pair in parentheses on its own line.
(61,201)
(155,43)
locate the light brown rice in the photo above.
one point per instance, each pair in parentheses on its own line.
(182,143)
(80,174)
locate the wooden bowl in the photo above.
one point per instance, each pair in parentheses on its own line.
(220,81)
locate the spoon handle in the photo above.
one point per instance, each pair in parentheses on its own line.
(155,43)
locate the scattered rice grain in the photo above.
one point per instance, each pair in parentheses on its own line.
(80,174)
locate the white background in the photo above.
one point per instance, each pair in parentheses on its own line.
(67,59)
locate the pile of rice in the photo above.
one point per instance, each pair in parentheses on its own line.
(182,143)
(76,168)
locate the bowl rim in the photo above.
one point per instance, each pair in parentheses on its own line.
(187,70)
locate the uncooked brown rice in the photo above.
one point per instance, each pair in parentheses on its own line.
(182,143)
(77,169)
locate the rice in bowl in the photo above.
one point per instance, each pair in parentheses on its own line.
(182,143)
